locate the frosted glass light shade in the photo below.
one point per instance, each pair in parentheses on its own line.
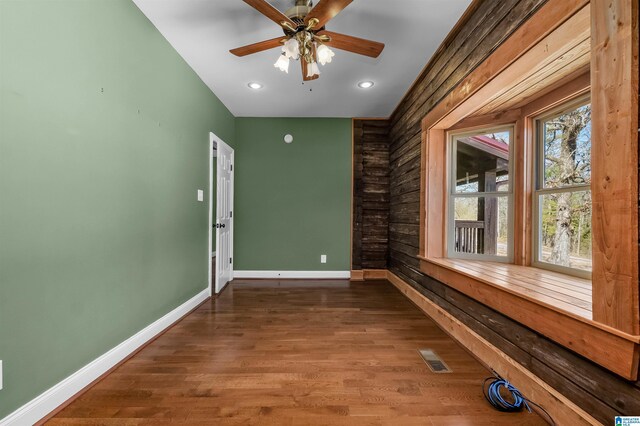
(312,69)
(324,54)
(282,63)
(291,48)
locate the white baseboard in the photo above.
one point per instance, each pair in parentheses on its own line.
(42,405)
(292,274)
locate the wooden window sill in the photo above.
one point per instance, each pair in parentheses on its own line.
(555,290)
(555,305)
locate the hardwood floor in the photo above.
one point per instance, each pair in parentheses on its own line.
(295,353)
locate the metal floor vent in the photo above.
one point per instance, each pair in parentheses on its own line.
(434,362)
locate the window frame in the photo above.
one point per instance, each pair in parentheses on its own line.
(538,189)
(452,195)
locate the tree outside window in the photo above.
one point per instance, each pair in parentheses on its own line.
(563,195)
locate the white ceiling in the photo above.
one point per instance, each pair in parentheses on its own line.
(203,31)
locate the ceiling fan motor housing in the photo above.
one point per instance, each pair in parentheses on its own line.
(298,12)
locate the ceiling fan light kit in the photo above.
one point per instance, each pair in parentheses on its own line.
(305,36)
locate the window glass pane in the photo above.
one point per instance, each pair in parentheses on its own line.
(567,148)
(565,228)
(482,163)
(481,225)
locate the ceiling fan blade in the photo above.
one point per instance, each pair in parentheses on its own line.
(270,12)
(257,47)
(304,71)
(326,10)
(353,44)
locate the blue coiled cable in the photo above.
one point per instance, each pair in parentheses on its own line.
(492,388)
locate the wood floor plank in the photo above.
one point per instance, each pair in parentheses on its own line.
(295,353)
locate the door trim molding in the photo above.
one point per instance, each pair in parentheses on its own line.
(210,281)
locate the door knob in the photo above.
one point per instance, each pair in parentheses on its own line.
(222,225)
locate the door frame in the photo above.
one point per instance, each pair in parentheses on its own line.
(216,142)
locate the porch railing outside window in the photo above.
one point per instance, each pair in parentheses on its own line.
(480,199)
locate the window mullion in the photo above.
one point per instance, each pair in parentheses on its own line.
(480,194)
(571,188)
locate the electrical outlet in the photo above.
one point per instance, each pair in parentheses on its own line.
(200,195)
(323,258)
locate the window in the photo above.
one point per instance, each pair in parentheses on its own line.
(562,199)
(480,200)
(519,83)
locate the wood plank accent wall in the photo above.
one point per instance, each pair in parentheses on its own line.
(596,390)
(370,194)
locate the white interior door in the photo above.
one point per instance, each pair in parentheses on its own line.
(224,216)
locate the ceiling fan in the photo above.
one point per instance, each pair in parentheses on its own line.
(305,36)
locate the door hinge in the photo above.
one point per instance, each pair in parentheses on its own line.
(231,167)
(231,214)
(231,260)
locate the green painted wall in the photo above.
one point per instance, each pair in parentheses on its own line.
(103,144)
(292,202)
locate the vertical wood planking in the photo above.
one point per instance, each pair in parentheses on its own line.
(356,203)
(614,111)
(371,194)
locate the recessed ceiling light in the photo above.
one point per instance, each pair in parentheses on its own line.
(365,84)
(255,86)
